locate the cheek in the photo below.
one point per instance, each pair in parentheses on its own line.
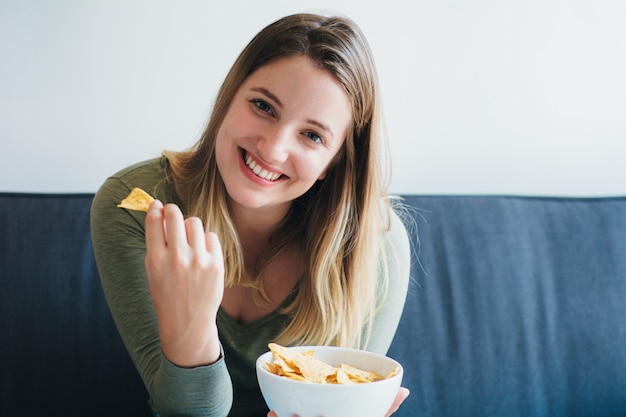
(226,129)
(235,121)
(315,169)
(335,159)
(225,147)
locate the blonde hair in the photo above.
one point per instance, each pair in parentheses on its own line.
(337,224)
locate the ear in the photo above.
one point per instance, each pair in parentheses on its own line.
(322,176)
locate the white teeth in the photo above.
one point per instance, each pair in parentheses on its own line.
(260,172)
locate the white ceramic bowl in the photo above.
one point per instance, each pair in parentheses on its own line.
(306,399)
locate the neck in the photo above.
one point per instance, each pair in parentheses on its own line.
(257,222)
(254,228)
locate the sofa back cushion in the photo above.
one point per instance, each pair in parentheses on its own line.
(517,307)
(61,354)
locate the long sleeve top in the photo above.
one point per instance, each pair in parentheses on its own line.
(229,386)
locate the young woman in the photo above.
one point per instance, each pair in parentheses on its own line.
(275,227)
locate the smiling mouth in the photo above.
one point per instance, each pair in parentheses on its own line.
(258,171)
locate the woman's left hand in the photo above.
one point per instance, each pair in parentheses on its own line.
(402,395)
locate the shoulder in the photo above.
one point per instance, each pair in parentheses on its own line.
(397,235)
(151,176)
(397,244)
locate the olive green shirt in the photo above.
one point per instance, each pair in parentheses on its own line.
(229,386)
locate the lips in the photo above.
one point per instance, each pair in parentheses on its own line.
(258,170)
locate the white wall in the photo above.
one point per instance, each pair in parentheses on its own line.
(481,96)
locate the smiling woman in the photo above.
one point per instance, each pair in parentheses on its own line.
(275,227)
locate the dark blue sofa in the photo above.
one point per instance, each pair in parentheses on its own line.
(517,307)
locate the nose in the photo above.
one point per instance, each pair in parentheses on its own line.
(273,147)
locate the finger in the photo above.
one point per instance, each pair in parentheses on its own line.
(195,233)
(155,234)
(214,247)
(402,395)
(175,231)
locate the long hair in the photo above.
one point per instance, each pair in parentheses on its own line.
(338,223)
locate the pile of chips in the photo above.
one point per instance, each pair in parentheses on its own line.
(304,366)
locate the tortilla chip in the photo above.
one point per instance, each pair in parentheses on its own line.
(138,200)
(359,375)
(309,367)
(340,377)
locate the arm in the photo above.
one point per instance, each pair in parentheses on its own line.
(119,245)
(398,258)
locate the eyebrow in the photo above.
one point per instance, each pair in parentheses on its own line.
(321,126)
(272,97)
(268,94)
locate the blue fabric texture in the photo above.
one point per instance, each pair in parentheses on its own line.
(60,353)
(517,307)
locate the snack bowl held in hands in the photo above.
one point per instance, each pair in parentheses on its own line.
(288,397)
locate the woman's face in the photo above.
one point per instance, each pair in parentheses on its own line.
(283,127)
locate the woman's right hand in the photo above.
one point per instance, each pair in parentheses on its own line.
(185,269)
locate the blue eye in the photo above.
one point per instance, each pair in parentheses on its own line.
(314,137)
(263,106)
